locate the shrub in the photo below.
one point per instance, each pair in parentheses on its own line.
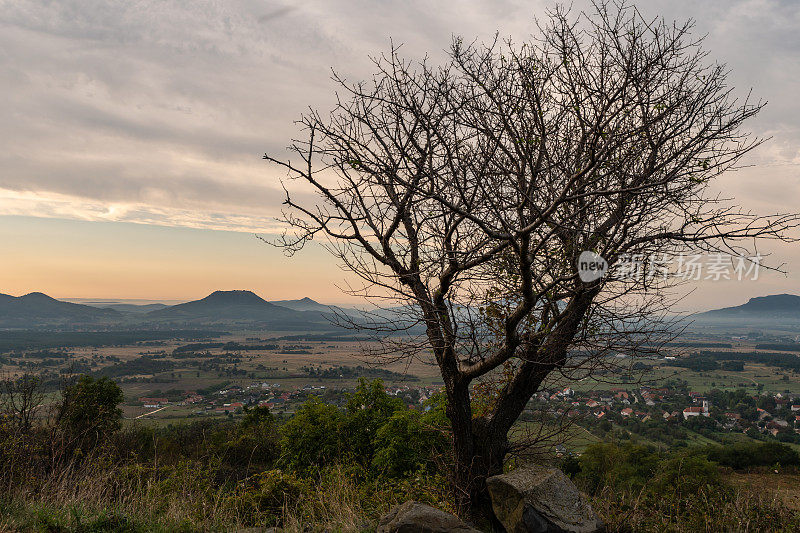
(406,444)
(312,436)
(627,466)
(89,410)
(367,410)
(264,498)
(749,454)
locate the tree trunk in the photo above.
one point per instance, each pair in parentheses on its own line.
(478,456)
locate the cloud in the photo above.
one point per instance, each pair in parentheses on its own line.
(53,205)
(158,111)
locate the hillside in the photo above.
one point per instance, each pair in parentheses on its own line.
(232,308)
(37,308)
(304,304)
(780,307)
(237,306)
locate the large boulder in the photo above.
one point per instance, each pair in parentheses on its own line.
(415,517)
(537,499)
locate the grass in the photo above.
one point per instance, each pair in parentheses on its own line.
(24,516)
(96,499)
(740,510)
(784,486)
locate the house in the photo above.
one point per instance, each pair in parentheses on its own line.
(795,407)
(626,412)
(229,407)
(696,410)
(154,402)
(592,404)
(696,397)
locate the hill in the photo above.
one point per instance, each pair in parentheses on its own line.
(37,308)
(780,307)
(304,304)
(307,304)
(237,306)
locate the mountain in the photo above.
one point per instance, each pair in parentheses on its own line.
(304,304)
(236,306)
(780,307)
(37,308)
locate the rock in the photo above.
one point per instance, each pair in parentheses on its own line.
(415,517)
(537,499)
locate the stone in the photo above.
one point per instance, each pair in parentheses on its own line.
(415,517)
(537,499)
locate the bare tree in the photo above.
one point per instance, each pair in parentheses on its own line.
(20,399)
(467,191)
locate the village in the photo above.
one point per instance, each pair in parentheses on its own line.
(763,415)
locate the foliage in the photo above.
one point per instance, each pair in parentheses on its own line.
(89,410)
(312,436)
(375,430)
(750,454)
(627,466)
(367,410)
(229,474)
(407,443)
(634,488)
(265,497)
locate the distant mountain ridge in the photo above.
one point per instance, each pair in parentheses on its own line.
(240,306)
(775,306)
(37,308)
(220,304)
(304,304)
(224,307)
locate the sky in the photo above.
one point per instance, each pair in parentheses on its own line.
(132,132)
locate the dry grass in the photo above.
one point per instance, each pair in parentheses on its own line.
(711,510)
(183,498)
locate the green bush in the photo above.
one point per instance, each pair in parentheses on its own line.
(312,436)
(628,466)
(367,410)
(89,410)
(265,497)
(749,454)
(683,476)
(407,443)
